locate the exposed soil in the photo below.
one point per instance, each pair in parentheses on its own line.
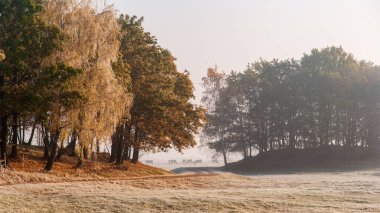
(28,168)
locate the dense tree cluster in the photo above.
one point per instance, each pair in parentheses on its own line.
(79,77)
(328,98)
(162,116)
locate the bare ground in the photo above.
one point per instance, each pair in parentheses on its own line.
(28,168)
(352,191)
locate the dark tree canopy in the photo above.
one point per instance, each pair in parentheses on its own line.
(328,98)
(162,115)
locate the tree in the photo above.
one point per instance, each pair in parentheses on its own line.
(58,98)
(70,72)
(162,116)
(91,44)
(327,99)
(27,41)
(328,70)
(280,96)
(218,117)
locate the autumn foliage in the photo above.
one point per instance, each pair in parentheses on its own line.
(75,78)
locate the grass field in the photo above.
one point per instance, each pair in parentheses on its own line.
(105,187)
(357,191)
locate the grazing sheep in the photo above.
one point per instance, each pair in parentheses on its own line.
(172,162)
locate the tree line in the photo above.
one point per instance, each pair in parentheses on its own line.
(326,99)
(81,76)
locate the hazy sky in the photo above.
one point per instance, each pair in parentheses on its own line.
(233,33)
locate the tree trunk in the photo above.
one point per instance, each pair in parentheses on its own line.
(21,134)
(135,157)
(372,122)
(97,146)
(136,147)
(85,153)
(114,146)
(127,142)
(94,156)
(113,151)
(80,162)
(72,144)
(51,159)
(4,123)
(120,153)
(53,154)
(80,153)
(14,153)
(117,149)
(19,128)
(126,151)
(245,152)
(32,133)
(292,139)
(46,146)
(225,160)
(121,142)
(81,156)
(3,137)
(39,141)
(270,145)
(129,152)
(61,152)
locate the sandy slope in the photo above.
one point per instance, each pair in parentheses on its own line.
(316,192)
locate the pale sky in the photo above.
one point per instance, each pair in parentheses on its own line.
(233,33)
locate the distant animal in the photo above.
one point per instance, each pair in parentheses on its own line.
(149,161)
(198,161)
(172,162)
(186,161)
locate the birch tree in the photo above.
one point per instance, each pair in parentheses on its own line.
(91,44)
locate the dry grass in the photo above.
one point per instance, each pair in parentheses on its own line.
(102,187)
(29,169)
(311,192)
